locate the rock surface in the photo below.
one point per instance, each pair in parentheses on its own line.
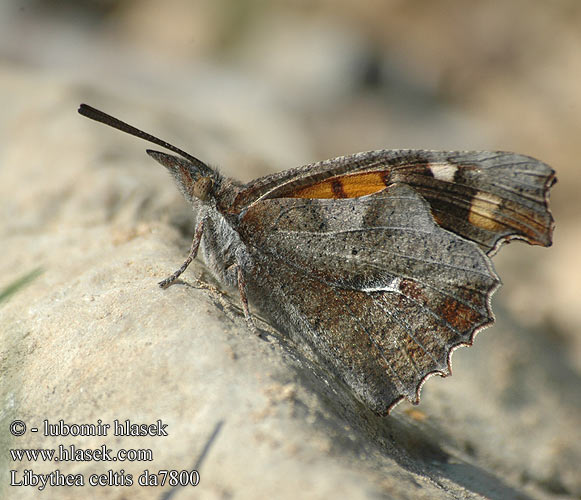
(95,224)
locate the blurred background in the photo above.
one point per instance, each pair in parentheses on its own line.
(256,86)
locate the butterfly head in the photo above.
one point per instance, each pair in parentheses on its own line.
(197,181)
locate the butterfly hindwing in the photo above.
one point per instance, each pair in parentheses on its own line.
(385,280)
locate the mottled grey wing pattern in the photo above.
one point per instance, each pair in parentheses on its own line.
(392,292)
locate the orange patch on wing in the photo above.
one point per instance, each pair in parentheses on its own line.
(343,186)
(459,315)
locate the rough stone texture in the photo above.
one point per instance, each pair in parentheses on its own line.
(93,337)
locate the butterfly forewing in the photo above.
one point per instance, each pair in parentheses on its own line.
(488,198)
(485,197)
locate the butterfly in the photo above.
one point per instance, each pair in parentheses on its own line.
(379,263)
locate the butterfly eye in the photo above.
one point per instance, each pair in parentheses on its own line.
(202,188)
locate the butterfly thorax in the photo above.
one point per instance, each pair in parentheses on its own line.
(221,245)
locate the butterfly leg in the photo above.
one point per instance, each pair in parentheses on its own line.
(191,256)
(244,299)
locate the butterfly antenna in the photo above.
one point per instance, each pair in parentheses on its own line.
(100,116)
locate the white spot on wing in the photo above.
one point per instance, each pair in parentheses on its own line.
(392,286)
(443,171)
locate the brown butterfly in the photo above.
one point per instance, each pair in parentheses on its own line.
(378,262)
